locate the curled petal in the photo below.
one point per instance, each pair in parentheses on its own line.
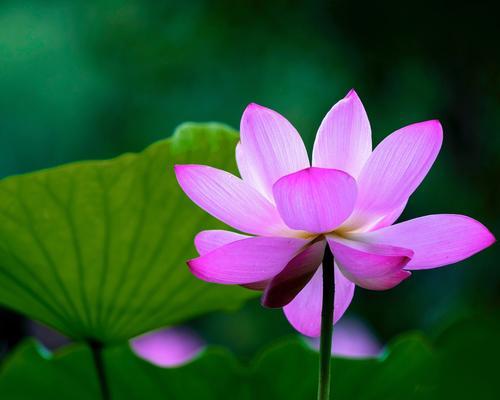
(247,260)
(270,148)
(291,280)
(206,241)
(304,311)
(315,200)
(229,199)
(436,240)
(344,138)
(371,266)
(395,169)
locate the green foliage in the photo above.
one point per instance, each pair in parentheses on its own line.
(71,375)
(289,371)
(97,249)
(468,354)
(460,364)
(286,371)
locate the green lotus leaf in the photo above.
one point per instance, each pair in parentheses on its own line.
(290,372)
(460,364)
(286,371)
(97,249)
(34,373)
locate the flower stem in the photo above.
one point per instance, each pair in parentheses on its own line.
(96,348)
(325,349)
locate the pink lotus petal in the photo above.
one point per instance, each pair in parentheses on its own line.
(436,240)
(168,347)
(395,169)
(304,311)
(344,138)
(229,199)
(291,280)
(390,218)
(352,339)
(315,200)
(249,173)
(371,266)
(270,148)
(206,241)
(247,260)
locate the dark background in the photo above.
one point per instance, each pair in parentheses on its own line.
(92,79)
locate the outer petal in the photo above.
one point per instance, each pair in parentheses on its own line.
(298,272)
(270,148)
(304,312)
(436,240)
(229,199)
(206,241)
(247,260)
(344,139)
(395,169)
(372,266)
(316,200)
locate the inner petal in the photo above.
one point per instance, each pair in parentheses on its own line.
(316,200)
(270,148)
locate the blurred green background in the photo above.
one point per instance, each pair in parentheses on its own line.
(92,79)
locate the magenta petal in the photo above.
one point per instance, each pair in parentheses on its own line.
(206,241)
(436,240)
(229,199)
(247,260)
(344,292)
(395,169)
(353,339)
(270,148)
(250,174)
(344,138)
(304,311)
(298,272)
(371,266)
(168,347)
(315,200)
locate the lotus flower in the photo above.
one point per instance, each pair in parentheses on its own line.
(347,200)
